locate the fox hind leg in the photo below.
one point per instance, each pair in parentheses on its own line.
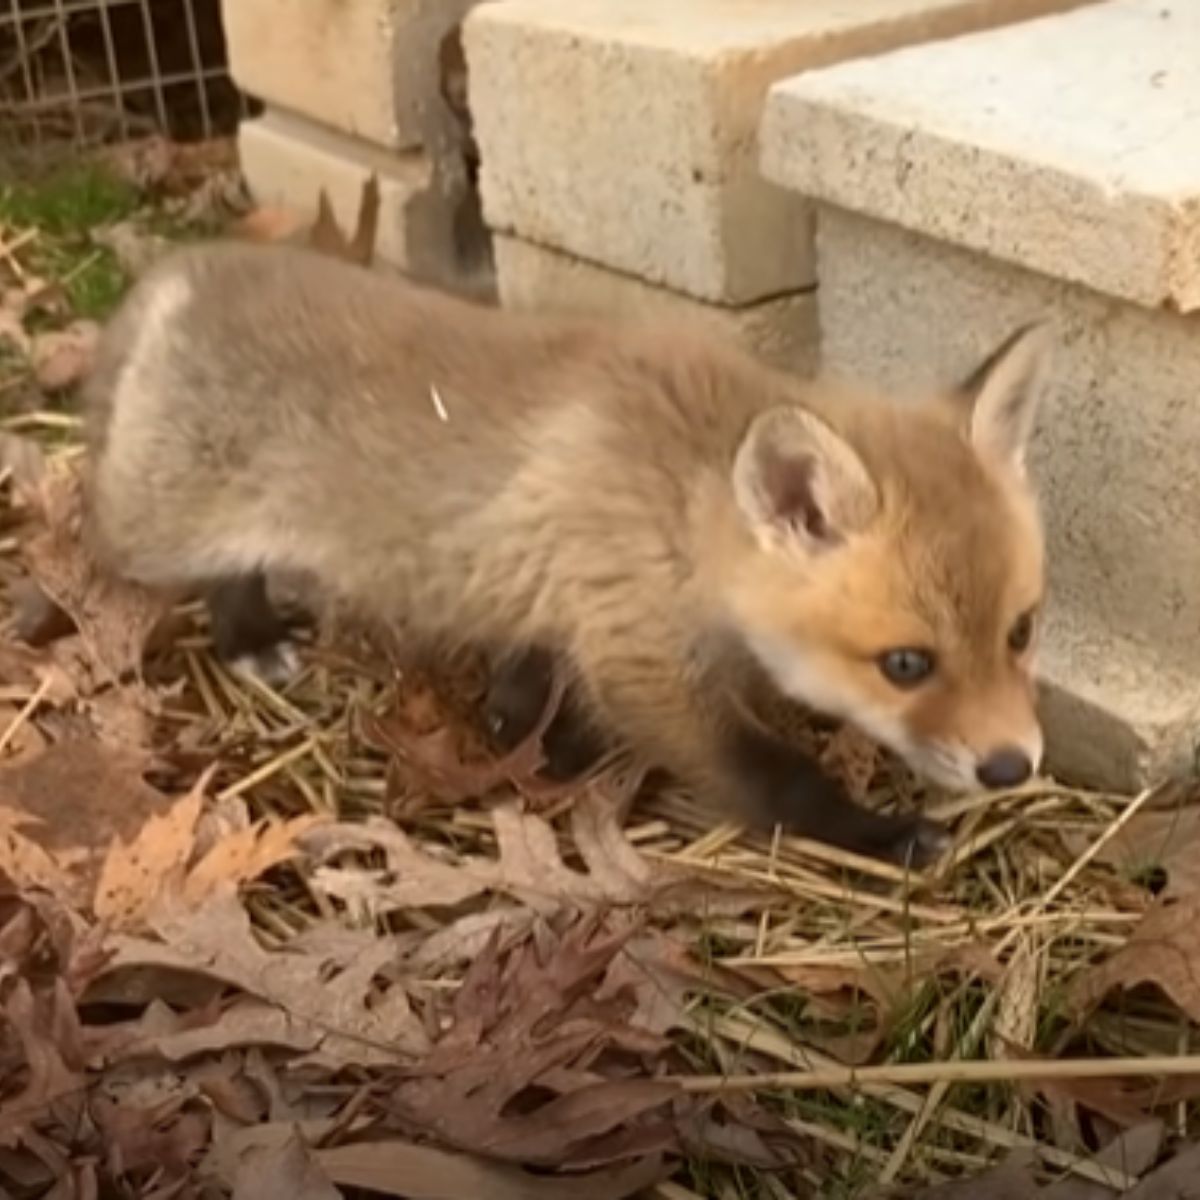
(249,634)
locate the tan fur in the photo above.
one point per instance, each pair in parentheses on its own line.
(266,408)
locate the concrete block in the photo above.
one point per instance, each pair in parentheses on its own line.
(1068,145)
(286,160)
(783,332)
(366,67)
(625,131)
(1114,456)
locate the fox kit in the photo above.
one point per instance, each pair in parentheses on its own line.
(665,516)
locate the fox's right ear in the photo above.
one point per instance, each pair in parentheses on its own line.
(799,483)
(1003,394)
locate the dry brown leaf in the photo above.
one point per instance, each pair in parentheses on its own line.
(401,1168)
(29,865)
(528,1020)
(326,235)
(12,332)
(62,357)
(853,758)
(1168,840)
(245,854)
(357,1022)
(159,1140)
(1132,1153)
(285,1172)
(424,736)
(1163,950)
(115,619)
(530,868)
(1012,1180)
(660,975)
(24,458)
(47,1075)
(34,617)
(143,162)
(245,1022)
(82,794)
(1178,1179)
(135,873)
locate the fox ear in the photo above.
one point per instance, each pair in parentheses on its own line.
(799,482)
(1004,392)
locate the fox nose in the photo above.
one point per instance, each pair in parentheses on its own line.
(1004,768)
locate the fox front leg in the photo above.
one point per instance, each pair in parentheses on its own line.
(785,787)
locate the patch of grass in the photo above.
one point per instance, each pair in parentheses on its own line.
(69,200)
(64,205)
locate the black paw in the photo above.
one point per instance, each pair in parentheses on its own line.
(518,694)
(913,841)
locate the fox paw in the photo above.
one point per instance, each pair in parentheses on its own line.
(916,842)
(273,665)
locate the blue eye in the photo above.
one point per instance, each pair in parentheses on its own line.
(907,666)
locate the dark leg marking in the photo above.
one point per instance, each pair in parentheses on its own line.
(787,788)
(248,634)
(518,692)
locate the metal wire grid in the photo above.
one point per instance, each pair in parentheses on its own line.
(98,69)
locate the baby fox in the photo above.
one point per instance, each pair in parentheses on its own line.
(669,519)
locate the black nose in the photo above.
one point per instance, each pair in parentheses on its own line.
(1004,768)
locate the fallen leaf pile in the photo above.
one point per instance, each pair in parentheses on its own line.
(326,942)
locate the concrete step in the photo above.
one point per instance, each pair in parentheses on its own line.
(625,131)
(1045,170)
(368,68)
(288,159)
(1069,145)
(782,332)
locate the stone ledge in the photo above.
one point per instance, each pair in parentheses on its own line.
(368,68)
(1070,145)
(287,159)
(1116,716)
(783,332)
(624,131)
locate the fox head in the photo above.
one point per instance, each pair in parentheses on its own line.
(892,566)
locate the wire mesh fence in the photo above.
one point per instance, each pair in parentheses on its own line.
(90,71)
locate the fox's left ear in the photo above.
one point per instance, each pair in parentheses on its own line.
(1003,393)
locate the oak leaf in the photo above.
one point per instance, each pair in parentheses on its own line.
(525,1024)
(355,1021)
(115,618)
(1168,839)
(327,237)
(416,1172)
(288,1171)
(71,798)
(529,867)
(135,873)
(1163,949)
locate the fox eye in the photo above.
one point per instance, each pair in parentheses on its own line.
(906,667)
(1021,633)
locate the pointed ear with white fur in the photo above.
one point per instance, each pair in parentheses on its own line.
(799,483)
(1004,392)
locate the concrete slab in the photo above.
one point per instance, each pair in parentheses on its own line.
(287,160)
(368,68)
(1069,145)
(625,131)
(783,332)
